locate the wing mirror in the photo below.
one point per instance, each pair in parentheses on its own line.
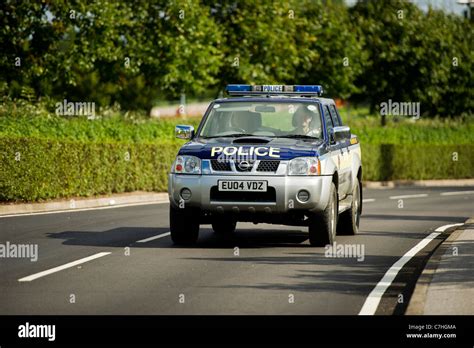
(184,131)
(341,133)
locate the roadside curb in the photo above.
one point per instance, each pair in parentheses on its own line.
(140,197)
(418,183)
(80,203)
(417,302)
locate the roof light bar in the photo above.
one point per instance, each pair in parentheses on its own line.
(303,90)
(309,88)
(238,88)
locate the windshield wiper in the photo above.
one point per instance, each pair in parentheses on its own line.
(234,135)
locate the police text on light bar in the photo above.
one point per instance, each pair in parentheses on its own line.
(275,89)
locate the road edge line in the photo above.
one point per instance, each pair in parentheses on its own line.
(372,301)
(417,301)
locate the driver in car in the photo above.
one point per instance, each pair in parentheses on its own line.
(306,122)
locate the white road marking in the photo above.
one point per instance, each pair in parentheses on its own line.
(409,196)
(445,227)
(83,209)
(63,267)
(457,193)
(154,237)
(368,200)
(372,301)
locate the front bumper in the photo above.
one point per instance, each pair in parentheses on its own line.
(286,190)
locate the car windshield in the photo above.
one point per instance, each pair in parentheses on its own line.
(272,119)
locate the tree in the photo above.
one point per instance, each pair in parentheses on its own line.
(294,42)
(453,37)
(330,52)
(259,41)
(110,52)
(410,55)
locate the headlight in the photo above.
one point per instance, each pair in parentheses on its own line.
(187,165)
(304,166)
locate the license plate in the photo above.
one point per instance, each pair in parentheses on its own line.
(242,185)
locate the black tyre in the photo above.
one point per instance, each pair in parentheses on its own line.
(223,225)
(349,220)
(184,225)
(322,226)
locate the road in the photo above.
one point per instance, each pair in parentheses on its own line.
(262,269)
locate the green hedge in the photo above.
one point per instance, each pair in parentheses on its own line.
(417,162)
(39,169)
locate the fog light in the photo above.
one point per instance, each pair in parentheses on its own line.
(185,194)
(303,196)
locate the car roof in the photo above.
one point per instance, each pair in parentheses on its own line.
(282,99)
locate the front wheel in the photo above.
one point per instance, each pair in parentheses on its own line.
(322,226)
(349,220)
(184,226)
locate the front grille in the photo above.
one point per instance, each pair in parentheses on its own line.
(243,196)
(268,166)
(263,166)
(247,168)
(222,166)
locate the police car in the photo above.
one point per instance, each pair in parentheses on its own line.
(267,154)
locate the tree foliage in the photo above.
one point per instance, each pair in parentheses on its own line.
(134,53)
(111,51)
(415,57)
(292,42)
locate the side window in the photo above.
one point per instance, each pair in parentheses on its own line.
(335,119)
(327,119)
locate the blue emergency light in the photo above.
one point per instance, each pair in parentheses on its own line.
(303,90)
(238,88)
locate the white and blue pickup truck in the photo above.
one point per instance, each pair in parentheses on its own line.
(267,154)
